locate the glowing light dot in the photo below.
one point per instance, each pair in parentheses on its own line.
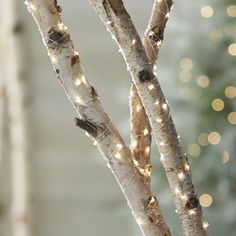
(145,131)
(109,22)
(230,92)
(177,191)
(231,10)
(186,167)
(185,76)
(159,43)
(205,225)
(214,138)
(147,150)
(159,120)
(118,155)
(225,157)
(203,139)
(162,158)
(151,87)
(205,200)
(54,59)
(194,150)
(119,146)
(164,106)
(203,81)
(134,144)
(78,100)
(217,104)
(186,64)
(191,212)
(138,107)
(207,11)
(167,15)
(95,143)
(184,197)
(232,118)
(60,26)
(32,6)
(77,82)
(157,103)
(232,49)
(181,176)
(133,42)
(135,162)
(83,79)
(162,144)
(153,200)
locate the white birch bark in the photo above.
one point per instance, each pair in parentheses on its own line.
(93,119)
(12,62)
(175,162)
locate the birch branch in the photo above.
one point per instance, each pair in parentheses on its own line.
(16,99)
(175,162)
(154,34)
(93,119)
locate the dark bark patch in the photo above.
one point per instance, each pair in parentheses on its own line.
(74,59)
(59,9)
(94,93)
(192,202)
(57,38)
(117,6)
(90,127)
(145,75)
(57,71)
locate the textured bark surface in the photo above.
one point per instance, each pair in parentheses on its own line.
(94,120)
(174,161)
(13,67)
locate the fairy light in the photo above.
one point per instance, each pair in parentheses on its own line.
(177,191)
(162,144)
(194,150)
(162,158)
(203,81)
(203,139)
(133,42)
(205,225)
(225,157)
(232,49)
(118,155)
(135,162)
(138,107)
(109,22)
(167,15)
(186,64)
(181,176)
(159,120)
(214,138)
(145,131)
(156,102)
(155,70)
(95,143)
(231,10)
(186,166)
(230,92)
(60,26)
(134,144)
(77,82)
(147,150)
(207,11)
(217,104)
(184,197)
(164,106)
(192,212)
(119,146)
(151,87)
(159,43)
(54,59)
(78,100)
(31,5)
(232,118)
(205,200)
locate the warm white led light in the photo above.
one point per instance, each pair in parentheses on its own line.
(145,131)
(181,175)
(151,87)
(117,155)
(133,42)
(205,224)
(147,150)
(119,146)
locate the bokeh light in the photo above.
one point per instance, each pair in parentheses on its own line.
(230,92)
(232,118)
(186,64)
(214,138)
(205,200)
(225,157)
(194,150)
(231,10)
(203,139)
(232,49)
(217,104)
(203,81)
(207,11)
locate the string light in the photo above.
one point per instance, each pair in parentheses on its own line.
(118,155)
(164,106)
(159,120)
(162,158)
(54,59)
(184,197)
(203,81)
(231,10)
(133,42)
(186,166)
(138,107)
(177,191)
(181,176)
(191,212)
(60,26)
(157,102)
(155,70)
(151,87)
(214,138)
(159,43)
(145,131)
(232,49)
(109,22)
(194,150)
(203,139)
(95,143)
(134,144)
(205,200)
(78,100)
(119,146)
(167,15)
(230,92)
(217,104)
(205,225)
(232,118)
(77,82)
(207,11)
(186,64)
(135,162)
(147,150)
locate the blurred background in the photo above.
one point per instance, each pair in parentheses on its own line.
(71,190)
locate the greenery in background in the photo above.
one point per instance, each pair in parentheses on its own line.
(207,88)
